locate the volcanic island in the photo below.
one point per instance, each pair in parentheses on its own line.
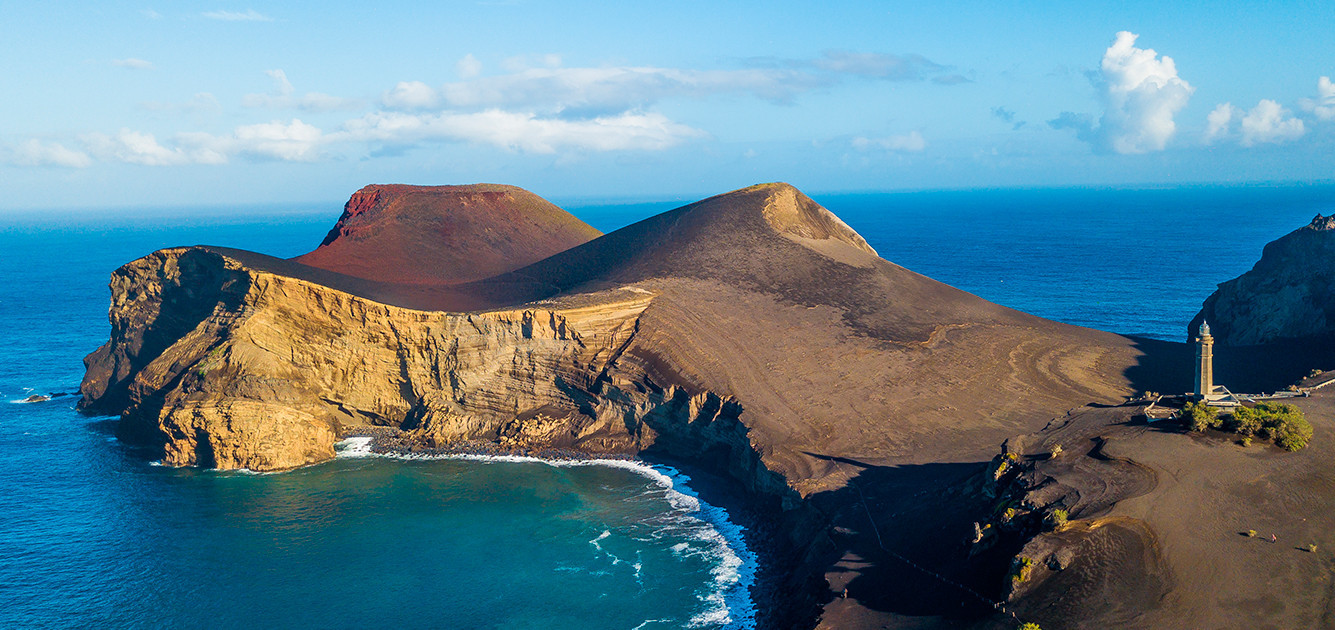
(904,454)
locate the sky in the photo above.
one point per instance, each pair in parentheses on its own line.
(111,104)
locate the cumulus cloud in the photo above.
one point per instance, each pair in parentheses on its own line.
(34,152)
(1219,120)
(293,141)
(911,142)
(134,147)
(1323,106)
(1141,93)
(468,67)
(525,132)
(410,95)
(283,97)
(133,64)
(1268,122)
(249,15)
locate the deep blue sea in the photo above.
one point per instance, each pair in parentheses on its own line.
(92,533)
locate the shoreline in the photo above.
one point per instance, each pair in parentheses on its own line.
(751,557)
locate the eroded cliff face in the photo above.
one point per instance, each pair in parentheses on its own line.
(1286,296)
(228,367)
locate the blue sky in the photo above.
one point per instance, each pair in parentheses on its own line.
(135,104)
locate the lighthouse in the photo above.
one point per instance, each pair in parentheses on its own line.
(1204,362)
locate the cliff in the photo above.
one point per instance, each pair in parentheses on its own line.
(1285,297)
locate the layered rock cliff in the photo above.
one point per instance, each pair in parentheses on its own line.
(1285,297)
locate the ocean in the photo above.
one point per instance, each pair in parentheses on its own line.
(93,533)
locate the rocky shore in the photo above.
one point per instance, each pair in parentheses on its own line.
(395,441)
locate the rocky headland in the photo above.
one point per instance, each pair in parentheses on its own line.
(854,405)
(1286,297)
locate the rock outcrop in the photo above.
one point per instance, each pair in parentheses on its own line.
(1285,297)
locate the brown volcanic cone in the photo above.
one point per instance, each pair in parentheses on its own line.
(444,234)
(765,296)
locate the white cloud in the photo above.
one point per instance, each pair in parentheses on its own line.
(281,97)
(468,67)
(249,15)
(134,147)
(151,14)
(1323,106)
(410,95)
(911,142)
(1219,121)
(133,64)
(525,132)
(1269,122)
(33,152)
(295,141)
(1141,94)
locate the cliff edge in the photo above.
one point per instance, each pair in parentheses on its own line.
(1285,297)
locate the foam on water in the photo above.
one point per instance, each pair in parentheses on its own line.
(354,447)
(728,603)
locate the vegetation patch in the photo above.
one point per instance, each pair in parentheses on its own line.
(1020,570)
(1281,423)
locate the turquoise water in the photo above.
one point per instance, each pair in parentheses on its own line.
(93,534)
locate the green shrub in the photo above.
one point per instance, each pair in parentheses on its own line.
(1059,518)
(1030,626)
(1056,450)
(1199,416)
(1020,569)
(1245,442)
(1243,421)
(1311,548)
(1283,423)
(1251,533)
